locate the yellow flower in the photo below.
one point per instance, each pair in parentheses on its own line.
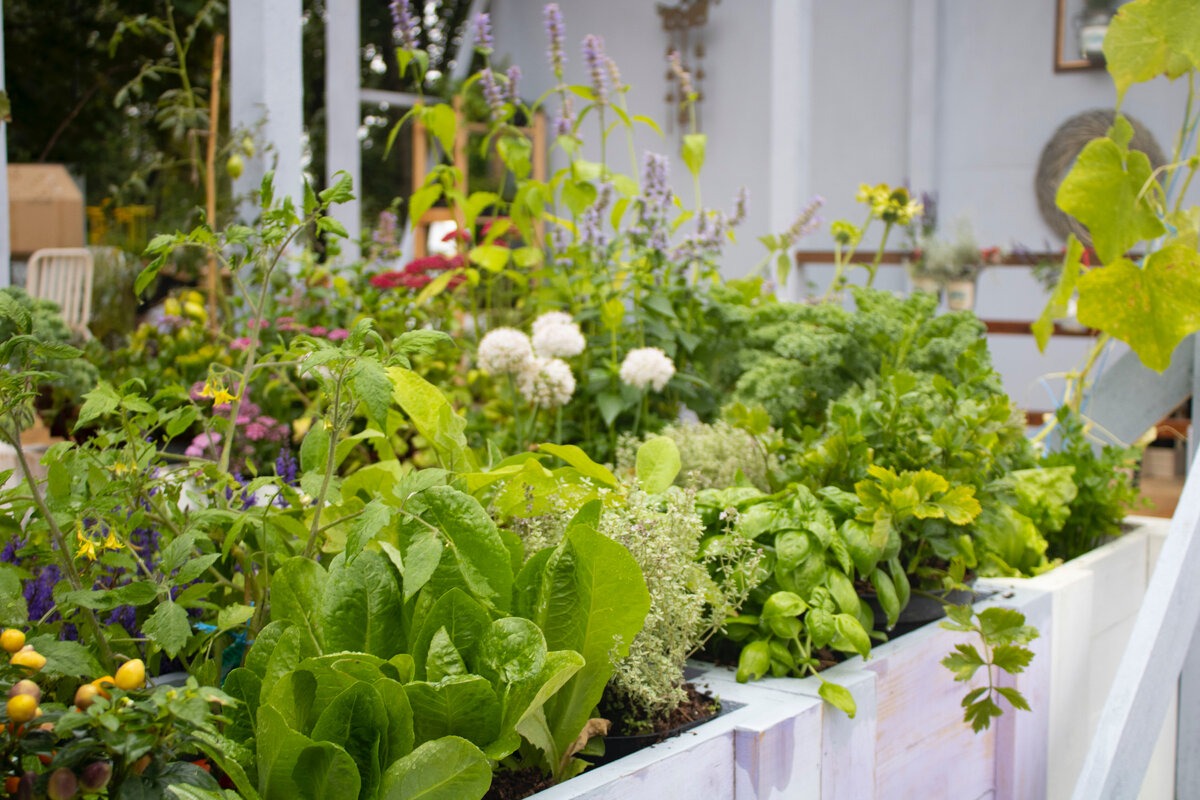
(87,548)
(112,542)
(208,390)
(221,397)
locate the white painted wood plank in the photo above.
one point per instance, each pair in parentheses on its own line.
(1147,677)
(1022,737)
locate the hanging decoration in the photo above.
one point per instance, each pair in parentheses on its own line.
(684,23)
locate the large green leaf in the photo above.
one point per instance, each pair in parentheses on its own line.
(658,463)
(289,652)
(464,620)
(245,686)
(356,722)
(466,707)
(12,603)
(1059,301)
(264,645)
(446,769)
(513,649)
(292,697)
(324,770)
(593,600)
(474,540)
(582,462)
(296,591)
(1103,191)
(433,417)
(1149,38)
(362,608)
(278,749)
(400,721)
(1152,308)
(168,627)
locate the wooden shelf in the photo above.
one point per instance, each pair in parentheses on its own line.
(1016,328)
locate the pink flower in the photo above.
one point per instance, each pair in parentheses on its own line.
(338,334)
(240,343)
(286,324)
(195,391)
(203,442)
(256,431)
(318,330)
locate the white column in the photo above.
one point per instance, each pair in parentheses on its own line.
(790,119)
(923,96)
(267,91)
(343,112)
(5,242)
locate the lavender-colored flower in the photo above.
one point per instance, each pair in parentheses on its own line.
(656,173)
(286,467)
(593,56)
(385,232)
(740,204)
(564,125)
(591,228)
(404,25)
(614,75)
(483,32)
(685,77)
(808,220)
(556,33)
(514,78)
(492,93)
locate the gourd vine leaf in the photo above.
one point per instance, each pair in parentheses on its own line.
(1057,305)
(1103,190)
(1148,38)
(1151,308)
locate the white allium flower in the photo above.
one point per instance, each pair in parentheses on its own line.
(547,382)
(647,366)
(504,350)
(551,319)
(561,341)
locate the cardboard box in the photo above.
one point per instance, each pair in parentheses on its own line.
(45,208)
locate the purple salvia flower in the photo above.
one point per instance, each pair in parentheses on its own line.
(593,56)
(514,78)
(483,32)
(385,231)
(404,25)
(492,94)
(564,125)
(555,32)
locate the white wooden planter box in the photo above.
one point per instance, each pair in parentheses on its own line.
(1095,600)
(769,748)
(908,738)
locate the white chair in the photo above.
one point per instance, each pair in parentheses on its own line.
(64,276)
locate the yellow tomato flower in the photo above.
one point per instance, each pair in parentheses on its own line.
(221,397)
(87,548)
(112,542)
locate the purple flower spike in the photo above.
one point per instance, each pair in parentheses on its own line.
(597,64)
(555,32)
(492,93)
(514,78)
(404,25)
(483,32)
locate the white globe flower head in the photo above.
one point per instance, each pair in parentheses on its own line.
(558,341)
(647,367)
(551,319)
(504,350)
(547,382)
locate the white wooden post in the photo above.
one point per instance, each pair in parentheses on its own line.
(1128,398)
(1187,732)
(5,241)
(343,113)
(266,89)
(1150,668)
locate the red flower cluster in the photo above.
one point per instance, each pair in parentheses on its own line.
(419,273)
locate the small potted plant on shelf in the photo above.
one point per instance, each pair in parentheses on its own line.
(955,264)
(1093,23)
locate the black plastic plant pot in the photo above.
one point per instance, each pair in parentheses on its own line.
(620,746)
(921,609)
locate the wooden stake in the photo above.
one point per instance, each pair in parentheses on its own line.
(210,188)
